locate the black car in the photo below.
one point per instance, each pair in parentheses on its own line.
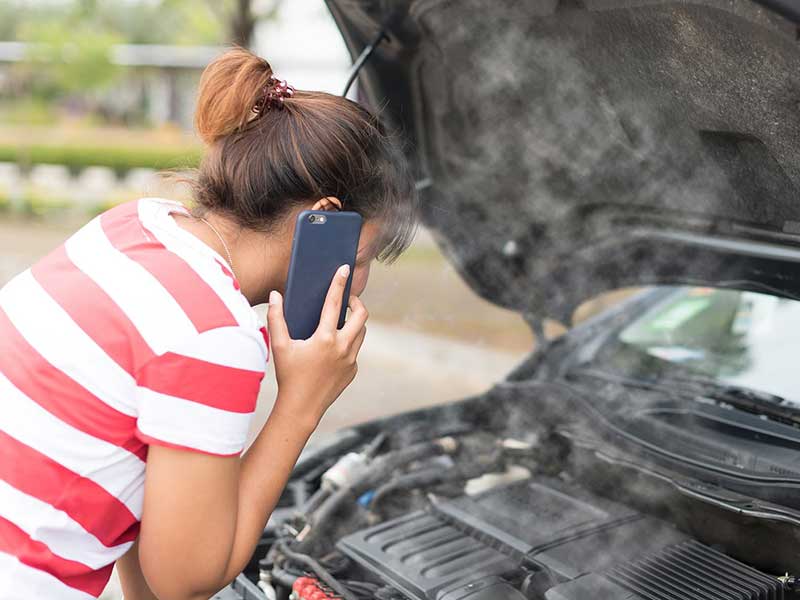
(565,148)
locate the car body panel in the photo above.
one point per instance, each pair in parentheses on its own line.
(567,148)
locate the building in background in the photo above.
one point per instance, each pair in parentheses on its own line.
(116,138)
(159,82)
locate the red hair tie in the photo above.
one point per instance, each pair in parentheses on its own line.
(274,93)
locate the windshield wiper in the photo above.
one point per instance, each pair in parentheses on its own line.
(742,398)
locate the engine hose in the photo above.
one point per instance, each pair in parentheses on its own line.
(433,476)
(363,589)
(375,444)
(316,500)
(415,479)
(283,577)
(380,469)
(385,466)
(317,569)
(322,494)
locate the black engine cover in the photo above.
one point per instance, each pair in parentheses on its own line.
(568,536)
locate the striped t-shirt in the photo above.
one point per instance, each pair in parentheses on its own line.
(132,333)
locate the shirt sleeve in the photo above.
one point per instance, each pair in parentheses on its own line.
(201,394)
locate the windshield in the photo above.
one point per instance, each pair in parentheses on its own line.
(740,338)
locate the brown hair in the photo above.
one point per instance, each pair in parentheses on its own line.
(259,164)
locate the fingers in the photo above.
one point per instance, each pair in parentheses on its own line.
(332,309)
(356,347)
(276,322)
(357,319)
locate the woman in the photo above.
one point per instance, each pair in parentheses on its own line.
(134,344)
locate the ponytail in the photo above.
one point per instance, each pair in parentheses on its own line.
(229,89)
(271,149)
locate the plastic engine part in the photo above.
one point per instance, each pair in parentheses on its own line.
(690,570)
(346,470)
(419,554)
(687,570)
(493,588)
(471,539)
(309,588)
(588,546)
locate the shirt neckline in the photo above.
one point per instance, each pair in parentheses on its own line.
(165,209)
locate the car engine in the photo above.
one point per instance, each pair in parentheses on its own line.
(545,540)
(431,507)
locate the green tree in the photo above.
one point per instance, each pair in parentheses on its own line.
(70,52)
(65,57)
(144,21)
(182,22)
(71,42)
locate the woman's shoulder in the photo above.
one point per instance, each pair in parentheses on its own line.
(168,281)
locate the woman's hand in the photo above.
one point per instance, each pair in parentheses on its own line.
(312,373)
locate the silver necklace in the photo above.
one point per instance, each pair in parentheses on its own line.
(224,245)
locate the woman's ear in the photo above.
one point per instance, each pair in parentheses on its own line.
(328,203)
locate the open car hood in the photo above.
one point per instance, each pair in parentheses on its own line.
(569,147)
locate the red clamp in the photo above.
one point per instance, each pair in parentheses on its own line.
(309,588)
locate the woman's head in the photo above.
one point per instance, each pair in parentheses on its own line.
(265,163)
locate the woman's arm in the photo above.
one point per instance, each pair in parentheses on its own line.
(131,577)
(203,514)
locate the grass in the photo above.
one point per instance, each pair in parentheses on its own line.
(76,145)
(119,158)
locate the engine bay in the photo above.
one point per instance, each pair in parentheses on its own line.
(493,498)
(564,547)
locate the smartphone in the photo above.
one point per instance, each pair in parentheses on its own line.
(323,241)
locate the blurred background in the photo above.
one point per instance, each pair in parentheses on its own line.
(97,97)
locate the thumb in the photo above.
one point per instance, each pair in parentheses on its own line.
(276,323)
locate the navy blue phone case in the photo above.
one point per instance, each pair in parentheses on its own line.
(323,241)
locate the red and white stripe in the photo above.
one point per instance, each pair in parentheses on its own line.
(131,333)
(19,580)
(63,344)
(214,273)
(152,310)
(117,471)
(64,536)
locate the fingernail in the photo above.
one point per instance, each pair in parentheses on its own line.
(344,271)
(274,297)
